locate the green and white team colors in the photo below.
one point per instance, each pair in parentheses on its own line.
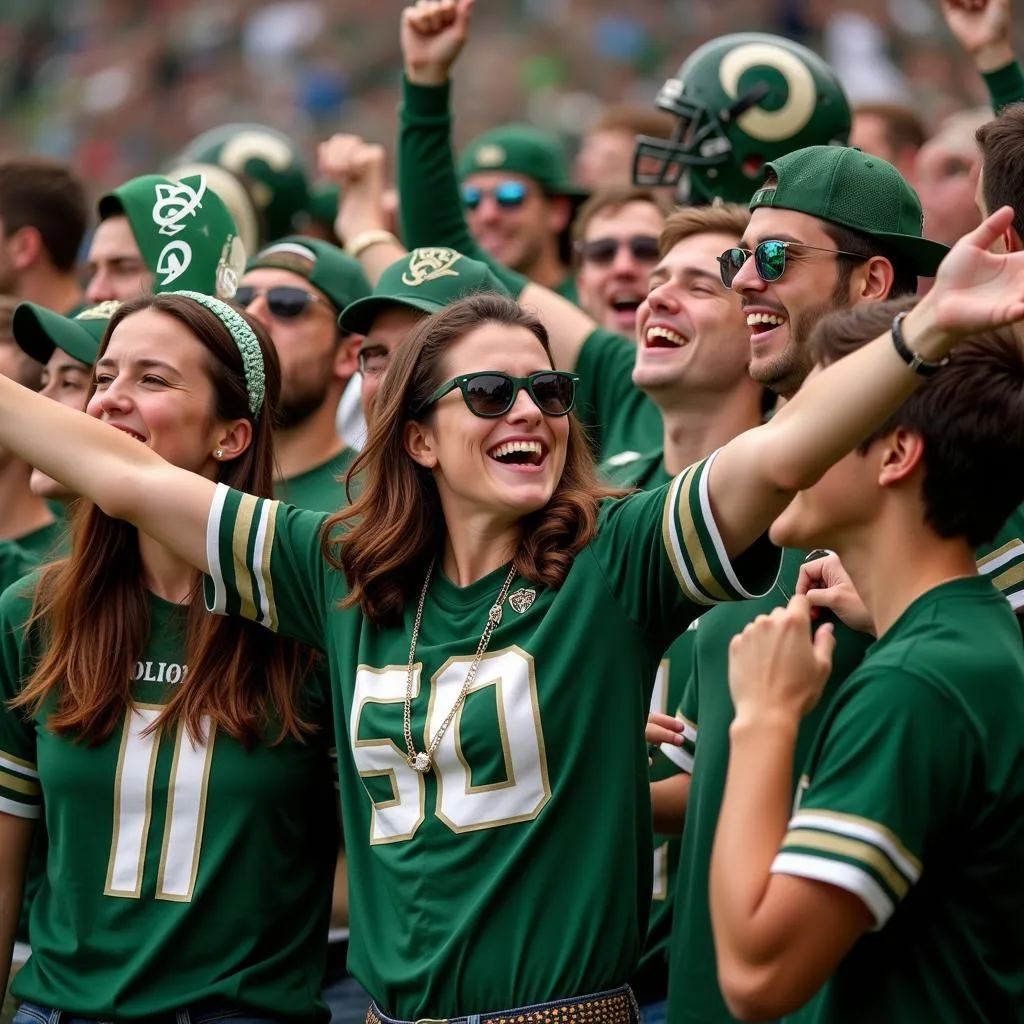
(517,870)
(177,871)
(911,800)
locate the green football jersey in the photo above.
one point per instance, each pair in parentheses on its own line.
(46,543)
(14,563)
(645,472)
(911,800)
(618,416)
(540,784)
(321,488)
(694,996)
(176,871)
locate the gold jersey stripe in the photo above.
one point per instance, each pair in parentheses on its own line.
(239,550)
(862,852)
(18,785)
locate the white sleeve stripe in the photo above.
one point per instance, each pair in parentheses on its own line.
(997,559)
(679,757)
(678,556)
(860,829)
(219,605)
(840,874)
(257,561)
(712,527)
(689,732)
(18,768)
(19,810)
(1016,600)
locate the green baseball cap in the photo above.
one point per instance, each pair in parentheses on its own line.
(858,191)
(522,149)
(40,331)
(426,280)
(325,266)
(185,233)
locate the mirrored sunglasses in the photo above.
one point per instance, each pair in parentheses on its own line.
(769,259)
(507,194)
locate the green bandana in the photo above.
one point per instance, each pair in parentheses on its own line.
(185,234)
(858,191)
(426,280)
(41,331)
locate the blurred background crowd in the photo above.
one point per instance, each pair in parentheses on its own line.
(117,87)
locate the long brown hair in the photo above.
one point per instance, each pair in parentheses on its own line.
(384,541)
(91,609)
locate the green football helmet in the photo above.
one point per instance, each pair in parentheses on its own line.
(267,163)
(741,100)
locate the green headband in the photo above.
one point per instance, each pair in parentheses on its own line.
(247,342)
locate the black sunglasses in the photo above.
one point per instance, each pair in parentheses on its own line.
(769,259)
(643,248)
(491,393)
(285,301)
(507,194)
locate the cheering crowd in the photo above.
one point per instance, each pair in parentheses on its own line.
(523,594)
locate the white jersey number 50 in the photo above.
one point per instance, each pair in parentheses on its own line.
(462,806)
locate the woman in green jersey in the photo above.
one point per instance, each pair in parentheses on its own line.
(493,621)
(183,763)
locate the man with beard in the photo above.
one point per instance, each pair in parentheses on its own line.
(830,228)
(297,287)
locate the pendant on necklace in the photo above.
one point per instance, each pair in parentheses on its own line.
(421,762)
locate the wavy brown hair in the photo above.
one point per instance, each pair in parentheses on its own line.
(91,609)
(385,540)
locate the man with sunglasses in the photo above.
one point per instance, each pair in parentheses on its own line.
(615,243)
(830,228)
(297,287)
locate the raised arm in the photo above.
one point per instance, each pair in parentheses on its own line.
(433,34)
(757,474)
(982,28)
(124,478)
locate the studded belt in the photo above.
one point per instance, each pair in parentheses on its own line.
(616,1006)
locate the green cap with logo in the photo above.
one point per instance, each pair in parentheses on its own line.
(426,280)
(184,231)
(40,331)
(857,191)
(325,266)
(522,149)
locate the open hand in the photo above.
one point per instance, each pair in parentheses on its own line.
(826,584)
(433,34)
(776,665)
(975,289)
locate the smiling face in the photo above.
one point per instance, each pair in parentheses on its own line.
(154,382)
(499,468)
(516,236)
(691,331)
(612,278)
(781,314)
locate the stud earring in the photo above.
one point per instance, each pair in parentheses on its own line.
(218,453)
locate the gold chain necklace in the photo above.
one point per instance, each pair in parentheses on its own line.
(423,761)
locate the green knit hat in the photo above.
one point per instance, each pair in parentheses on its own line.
(184,231)
(40,331)
(857,191)
(325,266)
(522,149)
(426,280)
